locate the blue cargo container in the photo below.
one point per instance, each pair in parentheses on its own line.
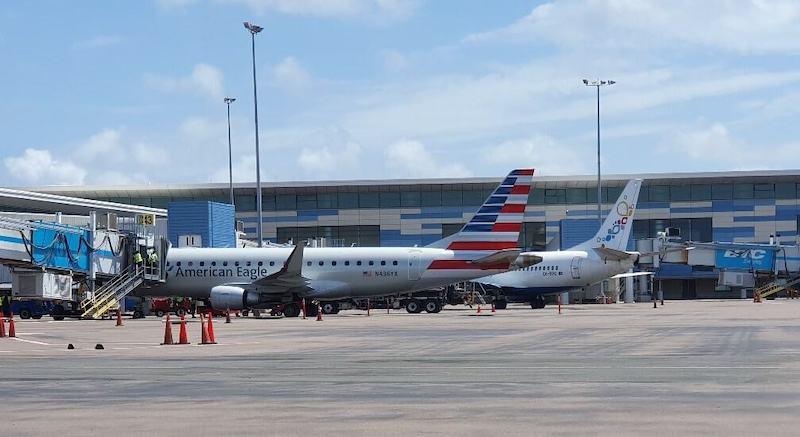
(214,222)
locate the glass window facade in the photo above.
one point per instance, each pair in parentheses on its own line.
(348,200)
(409,199)
(390,200)
(431,198)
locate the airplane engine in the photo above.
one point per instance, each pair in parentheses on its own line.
(234,298)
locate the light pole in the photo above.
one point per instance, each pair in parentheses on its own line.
(228,101)
(253,29)
(597,84)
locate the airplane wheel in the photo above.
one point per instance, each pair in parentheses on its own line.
(291,310)
(413,306)
(330,308)
(432,306)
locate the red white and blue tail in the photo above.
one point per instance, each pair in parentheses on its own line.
(495,227)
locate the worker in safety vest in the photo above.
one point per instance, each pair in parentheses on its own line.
(138,259)
(152,260)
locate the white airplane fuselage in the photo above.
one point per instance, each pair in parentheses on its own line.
(334,273)
(559,271)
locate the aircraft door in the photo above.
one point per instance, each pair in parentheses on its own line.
(575,267)
(414,267)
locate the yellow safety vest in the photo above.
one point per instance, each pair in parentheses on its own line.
(137,258)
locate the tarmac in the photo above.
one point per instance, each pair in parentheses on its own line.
(687,368)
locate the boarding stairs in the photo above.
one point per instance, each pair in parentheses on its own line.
(776,287)
(112,292)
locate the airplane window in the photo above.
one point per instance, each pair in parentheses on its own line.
(202,263)
(322,263)
(347,263)
(190,263)
(225,263)
(372,263)
(308,263)
(383,263)
(178,263)
(248,263)
(213,263)
(260,263)
(394,263)
(358,263)
(272,263)
(236,263)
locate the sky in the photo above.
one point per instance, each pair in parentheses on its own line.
(131,92)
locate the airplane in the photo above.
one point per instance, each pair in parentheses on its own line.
(253,278)
(602,257)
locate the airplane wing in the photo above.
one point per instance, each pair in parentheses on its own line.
(290,277)
(629,275)
(501,256)
(613,254)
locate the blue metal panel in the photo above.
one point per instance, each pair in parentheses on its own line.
(213,221)
(222,225)
(576,231)
(188,218)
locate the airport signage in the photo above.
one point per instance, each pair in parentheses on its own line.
(745,259)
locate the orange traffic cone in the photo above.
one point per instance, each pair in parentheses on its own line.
(167,332)
(119,317)
(479,310)
(319,313)
(228,316)
(211,337)
(203,330)
(12,332)
(2,325)
(182,337)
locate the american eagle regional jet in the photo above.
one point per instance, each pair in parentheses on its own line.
(240,278)
(602,257)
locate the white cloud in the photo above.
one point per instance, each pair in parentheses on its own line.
(290,75)
(540,151)
(37,166)
(205,80)
(750,26)
(376,10)
(104,158)
(409,158)
(714,147)
(98,41)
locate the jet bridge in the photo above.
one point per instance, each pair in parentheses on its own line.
(766,268)
(48,259)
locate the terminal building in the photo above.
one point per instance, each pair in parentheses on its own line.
(740,207)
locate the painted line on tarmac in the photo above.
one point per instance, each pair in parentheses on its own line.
(41,343)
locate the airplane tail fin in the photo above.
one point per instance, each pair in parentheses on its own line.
(617,227)
(496,225)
